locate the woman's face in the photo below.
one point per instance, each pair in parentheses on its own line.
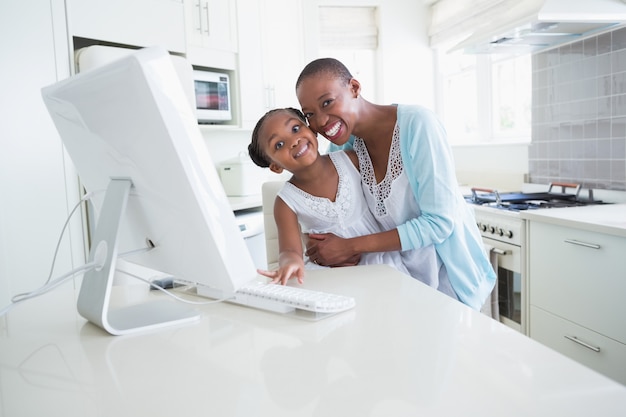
(329,105)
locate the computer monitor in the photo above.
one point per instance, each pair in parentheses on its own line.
(129,130)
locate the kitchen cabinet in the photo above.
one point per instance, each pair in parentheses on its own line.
(211,27)
(137,22)
(271,55)
(37,181)
(576,290)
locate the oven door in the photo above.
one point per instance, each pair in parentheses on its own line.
(507,260)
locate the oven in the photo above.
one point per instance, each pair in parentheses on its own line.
(504,235)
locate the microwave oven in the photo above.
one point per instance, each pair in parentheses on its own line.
(213,101)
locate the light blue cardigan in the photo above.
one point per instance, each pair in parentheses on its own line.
(446,220)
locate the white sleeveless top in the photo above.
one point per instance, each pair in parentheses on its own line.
(393,203)
(347,216)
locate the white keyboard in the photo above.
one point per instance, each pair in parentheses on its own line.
(285,299)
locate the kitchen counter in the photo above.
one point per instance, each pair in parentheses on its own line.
(245,202)
(604,218)
(404,350)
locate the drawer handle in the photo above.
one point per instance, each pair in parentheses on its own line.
(585,244)
(580,342)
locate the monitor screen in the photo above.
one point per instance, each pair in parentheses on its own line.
(129,121)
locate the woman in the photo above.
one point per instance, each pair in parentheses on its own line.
(408,178)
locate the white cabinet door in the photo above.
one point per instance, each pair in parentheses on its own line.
(579,275)
(592,349)
(283,50)
(211,27)
(271,55)
(33,166)
(134,22)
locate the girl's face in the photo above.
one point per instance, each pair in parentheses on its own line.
(288,142)
(329,105)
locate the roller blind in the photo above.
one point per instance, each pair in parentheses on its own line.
(348,27)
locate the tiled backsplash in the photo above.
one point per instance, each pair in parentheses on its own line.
(579,113)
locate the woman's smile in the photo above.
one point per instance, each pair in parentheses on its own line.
(332,130)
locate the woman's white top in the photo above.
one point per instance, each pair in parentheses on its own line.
(392,206)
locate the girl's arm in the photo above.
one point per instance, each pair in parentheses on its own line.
(290,261)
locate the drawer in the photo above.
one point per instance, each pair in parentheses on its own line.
(556,332)
(579,275)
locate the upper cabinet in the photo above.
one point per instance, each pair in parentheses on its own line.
(211,27)
(137,22)
(271,55)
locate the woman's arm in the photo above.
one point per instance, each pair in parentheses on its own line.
(330,250)
(429,165)
(290,261)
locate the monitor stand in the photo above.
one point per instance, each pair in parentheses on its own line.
(94,297)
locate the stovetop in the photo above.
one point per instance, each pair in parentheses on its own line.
(517,201)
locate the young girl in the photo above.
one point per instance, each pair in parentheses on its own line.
(323,195)
(408,178)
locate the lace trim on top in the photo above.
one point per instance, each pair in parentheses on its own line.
(322,206)
(381,190)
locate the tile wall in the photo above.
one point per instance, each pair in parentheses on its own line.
(579,113)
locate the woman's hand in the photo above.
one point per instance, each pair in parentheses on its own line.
(330,250)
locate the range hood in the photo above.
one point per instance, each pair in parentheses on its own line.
(525,26)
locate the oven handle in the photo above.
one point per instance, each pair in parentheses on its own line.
(499,251)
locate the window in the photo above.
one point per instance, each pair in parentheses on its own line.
(485,98)
(350,34)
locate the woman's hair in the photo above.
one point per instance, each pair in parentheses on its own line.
(327,66)
(254,149)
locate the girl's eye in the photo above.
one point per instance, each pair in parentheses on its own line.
(295,129)
(326,103)
(279,145)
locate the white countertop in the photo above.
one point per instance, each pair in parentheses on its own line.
(245,202)
(405,350)
(605,218)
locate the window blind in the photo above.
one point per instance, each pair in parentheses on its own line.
(348,27)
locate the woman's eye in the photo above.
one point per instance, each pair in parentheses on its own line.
(326,103)
(308,115)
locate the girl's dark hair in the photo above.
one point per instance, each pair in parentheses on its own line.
(327,66)
(254,149)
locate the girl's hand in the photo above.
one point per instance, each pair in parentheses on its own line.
(284,273)
(330,250)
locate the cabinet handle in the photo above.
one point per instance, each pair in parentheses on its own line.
(499,251)
(206,13)
(198,5)
(585,244)
(580,342)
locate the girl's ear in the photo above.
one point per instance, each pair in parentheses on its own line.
(355,87)
(274,167)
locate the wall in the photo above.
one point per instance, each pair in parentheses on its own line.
(579,113)
(500,166)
